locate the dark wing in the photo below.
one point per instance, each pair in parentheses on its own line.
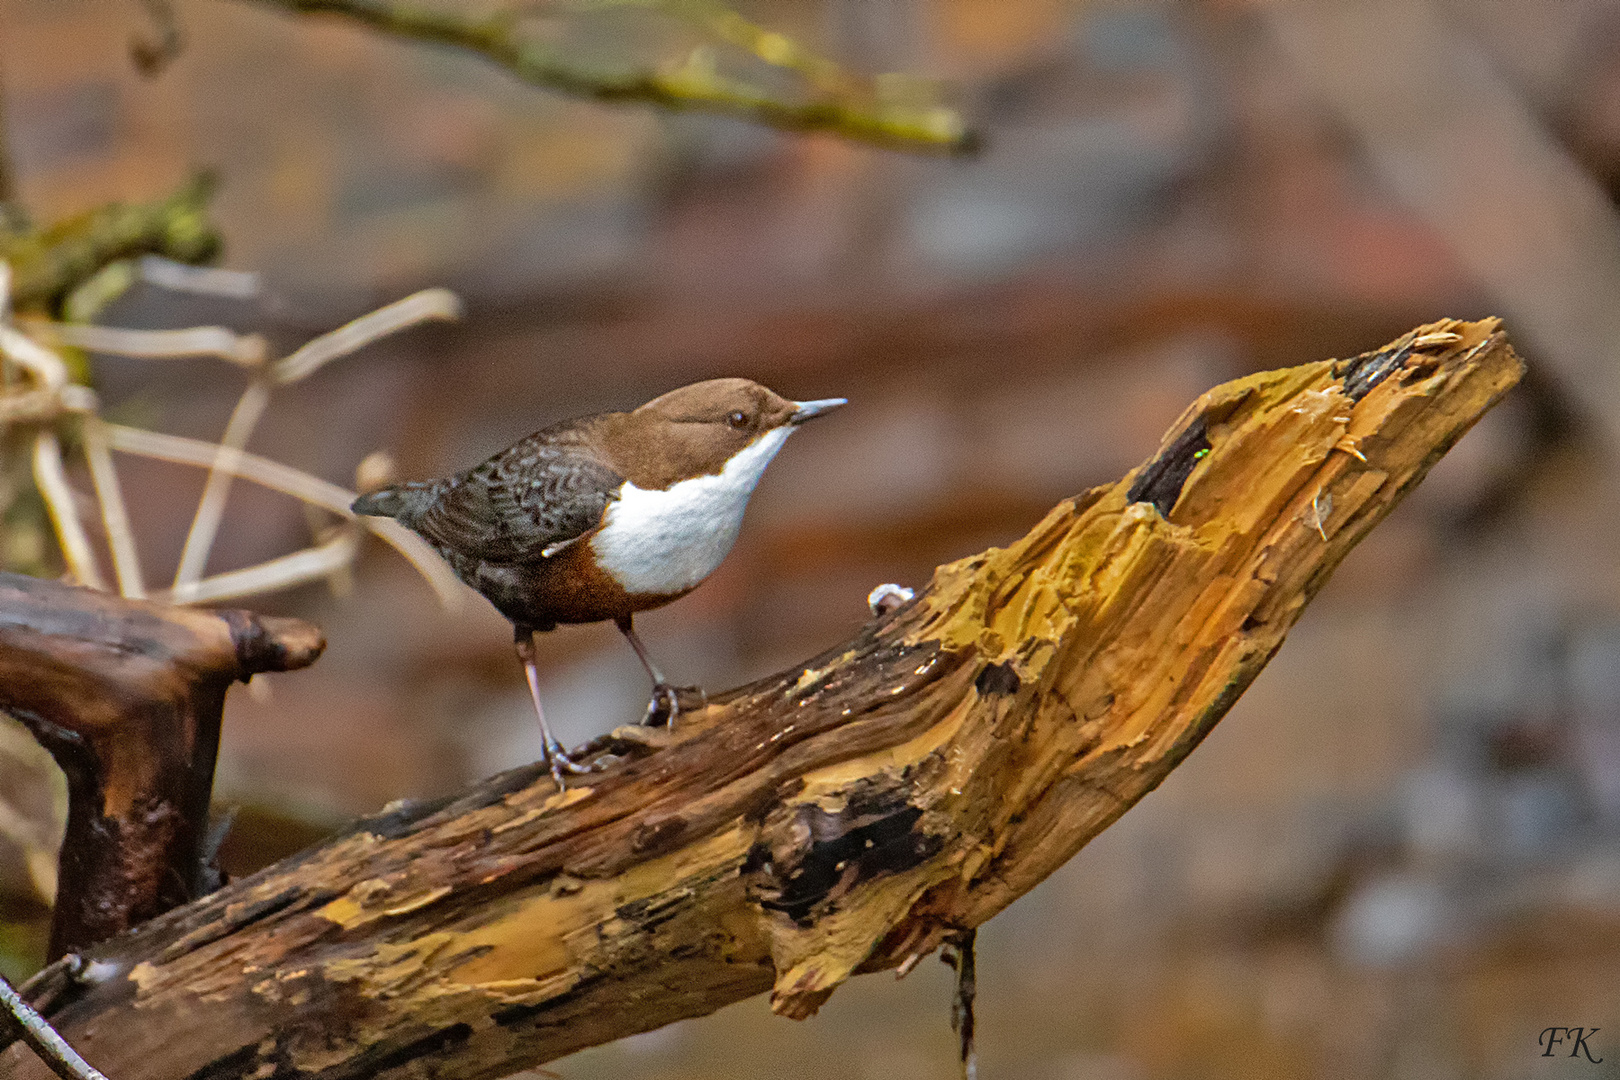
(523,504)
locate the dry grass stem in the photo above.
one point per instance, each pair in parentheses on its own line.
(45,395)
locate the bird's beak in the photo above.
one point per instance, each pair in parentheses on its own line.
(808,409)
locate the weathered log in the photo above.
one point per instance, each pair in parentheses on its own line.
(127,696)
(847,815)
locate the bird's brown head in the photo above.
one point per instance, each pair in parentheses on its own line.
(697,429)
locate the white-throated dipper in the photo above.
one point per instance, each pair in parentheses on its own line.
(604,516)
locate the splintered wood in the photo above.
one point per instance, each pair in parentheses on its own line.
(847,815)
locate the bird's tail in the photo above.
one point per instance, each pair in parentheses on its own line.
(403,502)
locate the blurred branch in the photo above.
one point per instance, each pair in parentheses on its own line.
(891,111)
(47,264)
(300,485)
(439,304)
(44,397)
(847,815)
(43,1039)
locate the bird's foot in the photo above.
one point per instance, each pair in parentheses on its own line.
(558,761)
(668,702)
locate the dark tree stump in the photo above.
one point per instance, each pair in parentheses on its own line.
(127,696)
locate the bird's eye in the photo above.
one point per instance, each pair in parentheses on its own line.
(738,419)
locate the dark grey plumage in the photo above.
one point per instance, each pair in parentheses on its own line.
(518,506)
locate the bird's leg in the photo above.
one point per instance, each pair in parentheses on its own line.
(556,760)
(663,694)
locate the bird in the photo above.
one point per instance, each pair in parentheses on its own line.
(603,516)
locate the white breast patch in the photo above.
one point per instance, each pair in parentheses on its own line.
(668,541)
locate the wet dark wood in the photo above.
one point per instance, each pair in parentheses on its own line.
(127,696)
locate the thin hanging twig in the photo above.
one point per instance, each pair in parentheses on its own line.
(43,1039)
(959,954)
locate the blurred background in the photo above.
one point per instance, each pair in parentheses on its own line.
(1398,856)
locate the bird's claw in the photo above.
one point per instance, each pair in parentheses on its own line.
(668,702)
(558,761)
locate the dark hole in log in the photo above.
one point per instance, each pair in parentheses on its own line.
(1161,481)
(997,679)
(758,858)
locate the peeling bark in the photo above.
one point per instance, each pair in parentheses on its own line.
(844,816)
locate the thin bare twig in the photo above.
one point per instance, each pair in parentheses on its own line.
(202,280)
(51,479)
(244,350)
(48,395)
(45,366)
(885,111)
(211,507)
(300,485)
(305,361)
(352,336)
(283,572)
(120,537)
(43,1039)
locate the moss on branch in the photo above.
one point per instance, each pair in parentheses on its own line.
(891,111)
(48,264)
